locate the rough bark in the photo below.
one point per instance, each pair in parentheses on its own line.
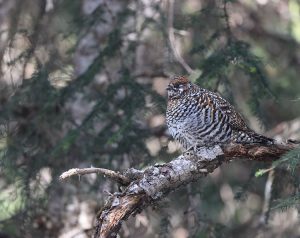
(157,181)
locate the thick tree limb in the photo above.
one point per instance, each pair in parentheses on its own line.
(159,180)
(257,152)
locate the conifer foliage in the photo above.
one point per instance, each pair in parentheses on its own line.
(82,84)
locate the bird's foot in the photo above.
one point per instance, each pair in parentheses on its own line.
(191,151)
(204,152)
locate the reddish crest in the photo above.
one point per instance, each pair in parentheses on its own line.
(177,80)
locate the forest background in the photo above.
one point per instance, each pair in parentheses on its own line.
(82,83)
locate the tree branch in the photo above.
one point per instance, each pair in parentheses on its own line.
(116,176)
(157,181)
(172,40)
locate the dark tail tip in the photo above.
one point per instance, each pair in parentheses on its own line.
(257,138)
(291,141)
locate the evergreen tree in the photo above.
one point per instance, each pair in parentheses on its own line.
(82,84)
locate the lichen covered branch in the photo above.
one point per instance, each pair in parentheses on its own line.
(159,180)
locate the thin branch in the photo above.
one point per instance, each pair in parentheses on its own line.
(268,194)
(171,35)
(116,176)
(34,37)
(227,28)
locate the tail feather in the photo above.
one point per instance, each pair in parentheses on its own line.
(252,137)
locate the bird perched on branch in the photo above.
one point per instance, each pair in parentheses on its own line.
(198,117)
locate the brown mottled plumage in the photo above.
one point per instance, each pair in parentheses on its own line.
(198,117)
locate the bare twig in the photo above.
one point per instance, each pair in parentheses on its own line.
(116,176)
(227,29)
(268,192)
(171,35)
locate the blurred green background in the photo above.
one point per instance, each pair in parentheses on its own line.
(83,84)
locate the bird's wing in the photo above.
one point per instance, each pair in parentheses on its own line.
(216,102)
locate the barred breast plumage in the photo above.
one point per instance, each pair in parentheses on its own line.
(196,116)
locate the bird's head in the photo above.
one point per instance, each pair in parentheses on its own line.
(178,86)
